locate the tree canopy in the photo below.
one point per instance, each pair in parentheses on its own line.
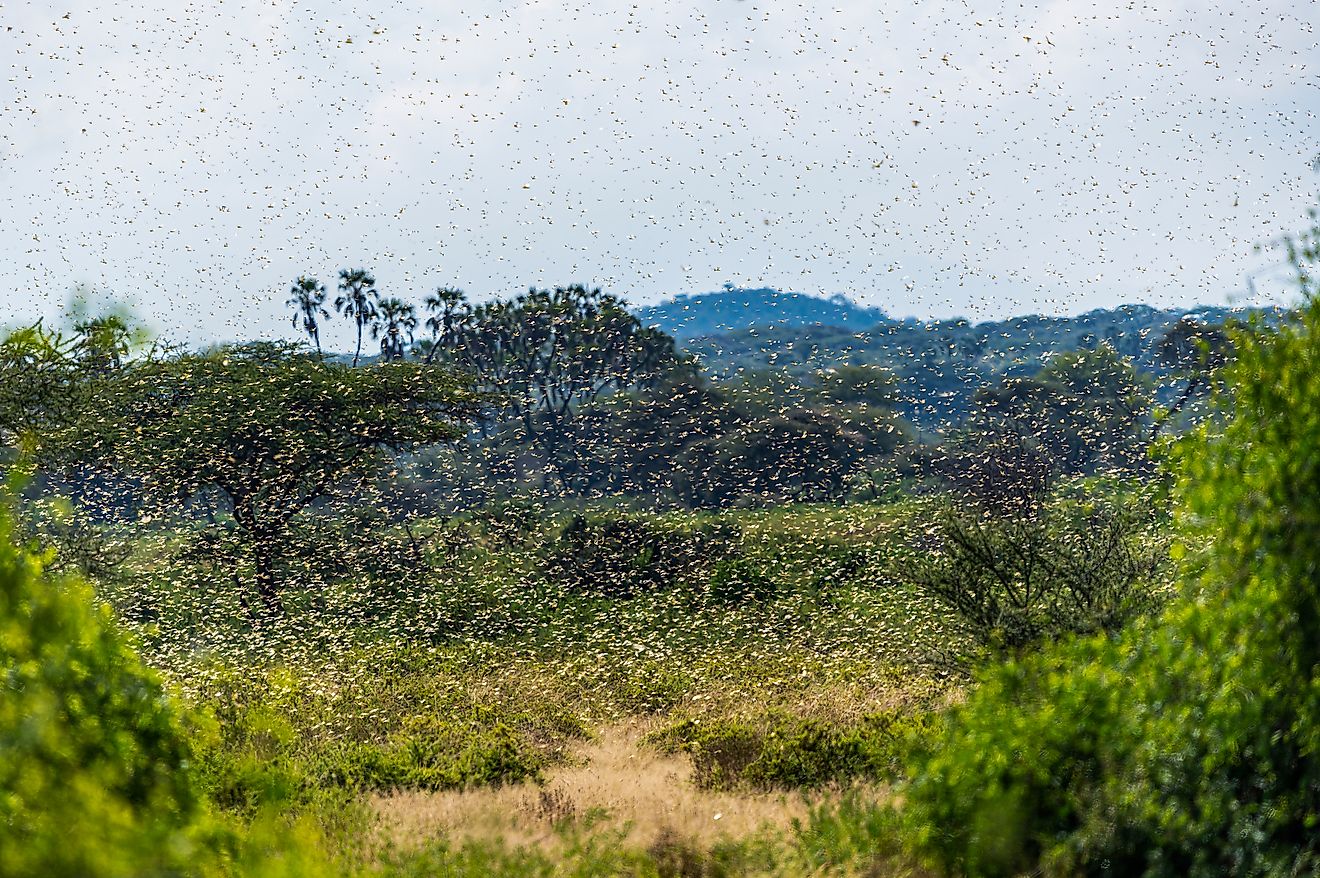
(270,428)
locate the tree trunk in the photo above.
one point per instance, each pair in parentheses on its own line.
(1193,384)
(264,542)
(263,557)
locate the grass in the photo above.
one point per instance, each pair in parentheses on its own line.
(475,716)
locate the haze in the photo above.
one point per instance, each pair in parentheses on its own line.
(937,158)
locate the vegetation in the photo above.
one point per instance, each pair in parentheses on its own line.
(268,429)
(539,596)
(1182,746)
(87,739)
(1041,573)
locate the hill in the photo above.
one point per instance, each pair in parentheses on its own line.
(690,315)
(940,364)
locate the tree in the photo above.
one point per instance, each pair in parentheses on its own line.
(268,429)
(396,318)
(448,312)
(995,463)
(1084,408)
(40,381)
(852,384)
(308,302)
(1192,350)
(44,373)
(357,301)
(546,355)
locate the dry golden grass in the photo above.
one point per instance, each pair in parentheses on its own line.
(611,782)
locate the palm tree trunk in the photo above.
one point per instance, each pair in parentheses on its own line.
(359,345)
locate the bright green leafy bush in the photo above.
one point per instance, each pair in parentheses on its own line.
(1189,745)
(93,758)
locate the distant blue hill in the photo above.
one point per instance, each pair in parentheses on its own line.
(690,315)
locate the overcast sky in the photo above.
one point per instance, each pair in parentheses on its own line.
(933,158)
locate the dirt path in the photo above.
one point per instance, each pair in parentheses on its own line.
(611,781)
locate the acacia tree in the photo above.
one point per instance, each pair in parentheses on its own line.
(357,301)
(308,301)
(44,373)
(267,428)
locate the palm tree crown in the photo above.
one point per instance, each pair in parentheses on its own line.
(397,317)
(307,298)
(447,307)
(357,300)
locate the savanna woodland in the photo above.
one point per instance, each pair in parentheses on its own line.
(540,590)
(315,572)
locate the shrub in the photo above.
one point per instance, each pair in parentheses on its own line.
(618,556)
(1043,572)
(738,581)
(780,751)
(431,754)
(1187,747)
(93,757)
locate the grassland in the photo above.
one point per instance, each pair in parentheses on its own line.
(469,706)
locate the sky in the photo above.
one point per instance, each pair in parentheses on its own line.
(190,159)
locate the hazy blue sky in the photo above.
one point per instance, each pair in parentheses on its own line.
(930,157)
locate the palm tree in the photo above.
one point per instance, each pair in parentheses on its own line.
(445,306)
(357,299)
(396,317)
(307,298)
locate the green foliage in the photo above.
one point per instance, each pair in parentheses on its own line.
(287,736)
(1187,747)
(1085,409)
(738,581)
(74,543)
(93,757)
(868,385)
(432,755)
(854,835)
(267,427)
(620,556)
(780,751)
(1043,572)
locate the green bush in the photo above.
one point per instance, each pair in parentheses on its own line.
(781,751)
(621,556)
(739,581)
(436,755)
(93,757)
(1187,747)
(1038,573)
